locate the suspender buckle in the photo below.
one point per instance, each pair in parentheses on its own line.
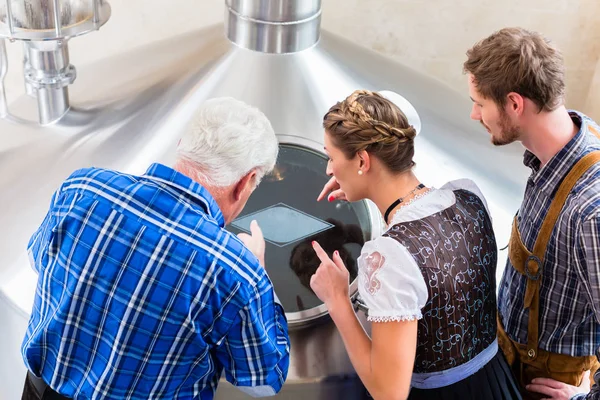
(539,271)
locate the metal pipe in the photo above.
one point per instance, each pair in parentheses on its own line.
(52,104)
(288,11)
(57,19)
(273,26)
(50,73)
(9,18)
(29,89)
(3,71)
(96,10)
(46,57)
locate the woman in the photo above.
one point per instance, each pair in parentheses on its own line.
(428,281)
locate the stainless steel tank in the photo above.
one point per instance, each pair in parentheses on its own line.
(128,111)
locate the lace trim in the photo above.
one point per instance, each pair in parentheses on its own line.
(411,201)
(395,318)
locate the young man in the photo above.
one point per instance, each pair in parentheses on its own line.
(142,293)
(549,296)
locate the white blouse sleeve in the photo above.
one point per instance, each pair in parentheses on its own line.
(390,282)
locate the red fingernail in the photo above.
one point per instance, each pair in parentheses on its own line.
(336,253)
(313,242)
(330,198)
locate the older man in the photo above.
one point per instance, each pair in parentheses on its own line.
(142,293)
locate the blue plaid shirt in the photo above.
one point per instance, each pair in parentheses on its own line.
(570,288)
(143,295)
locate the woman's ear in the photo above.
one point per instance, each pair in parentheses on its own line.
(364,160)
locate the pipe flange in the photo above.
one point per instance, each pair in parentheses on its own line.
(57,81)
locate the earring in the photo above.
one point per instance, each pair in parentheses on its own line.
(360,172)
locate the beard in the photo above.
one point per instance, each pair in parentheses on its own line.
(508,132)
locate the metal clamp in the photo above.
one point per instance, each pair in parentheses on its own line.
(359,304)
(539,271)
(57,81)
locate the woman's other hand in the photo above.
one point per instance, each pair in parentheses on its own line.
(332,191)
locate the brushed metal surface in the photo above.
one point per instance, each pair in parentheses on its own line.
(136,116)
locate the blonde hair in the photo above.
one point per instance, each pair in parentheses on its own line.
(368,121)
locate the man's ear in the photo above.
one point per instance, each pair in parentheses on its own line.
(246,183)
(515,103)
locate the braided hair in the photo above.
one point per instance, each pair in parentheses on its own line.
(368,121)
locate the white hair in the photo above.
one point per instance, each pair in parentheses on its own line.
(226,139)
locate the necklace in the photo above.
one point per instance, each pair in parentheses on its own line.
(400,200)
(412,200)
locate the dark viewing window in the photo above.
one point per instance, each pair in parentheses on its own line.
(285,207)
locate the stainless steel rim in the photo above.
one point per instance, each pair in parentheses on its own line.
(303,318)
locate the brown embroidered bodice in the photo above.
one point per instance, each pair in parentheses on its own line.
(455,250)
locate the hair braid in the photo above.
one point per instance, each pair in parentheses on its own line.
(367,121)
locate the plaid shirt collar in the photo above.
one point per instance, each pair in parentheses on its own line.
(548,177)
(193,191)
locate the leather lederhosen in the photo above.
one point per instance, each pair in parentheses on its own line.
(528,360)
